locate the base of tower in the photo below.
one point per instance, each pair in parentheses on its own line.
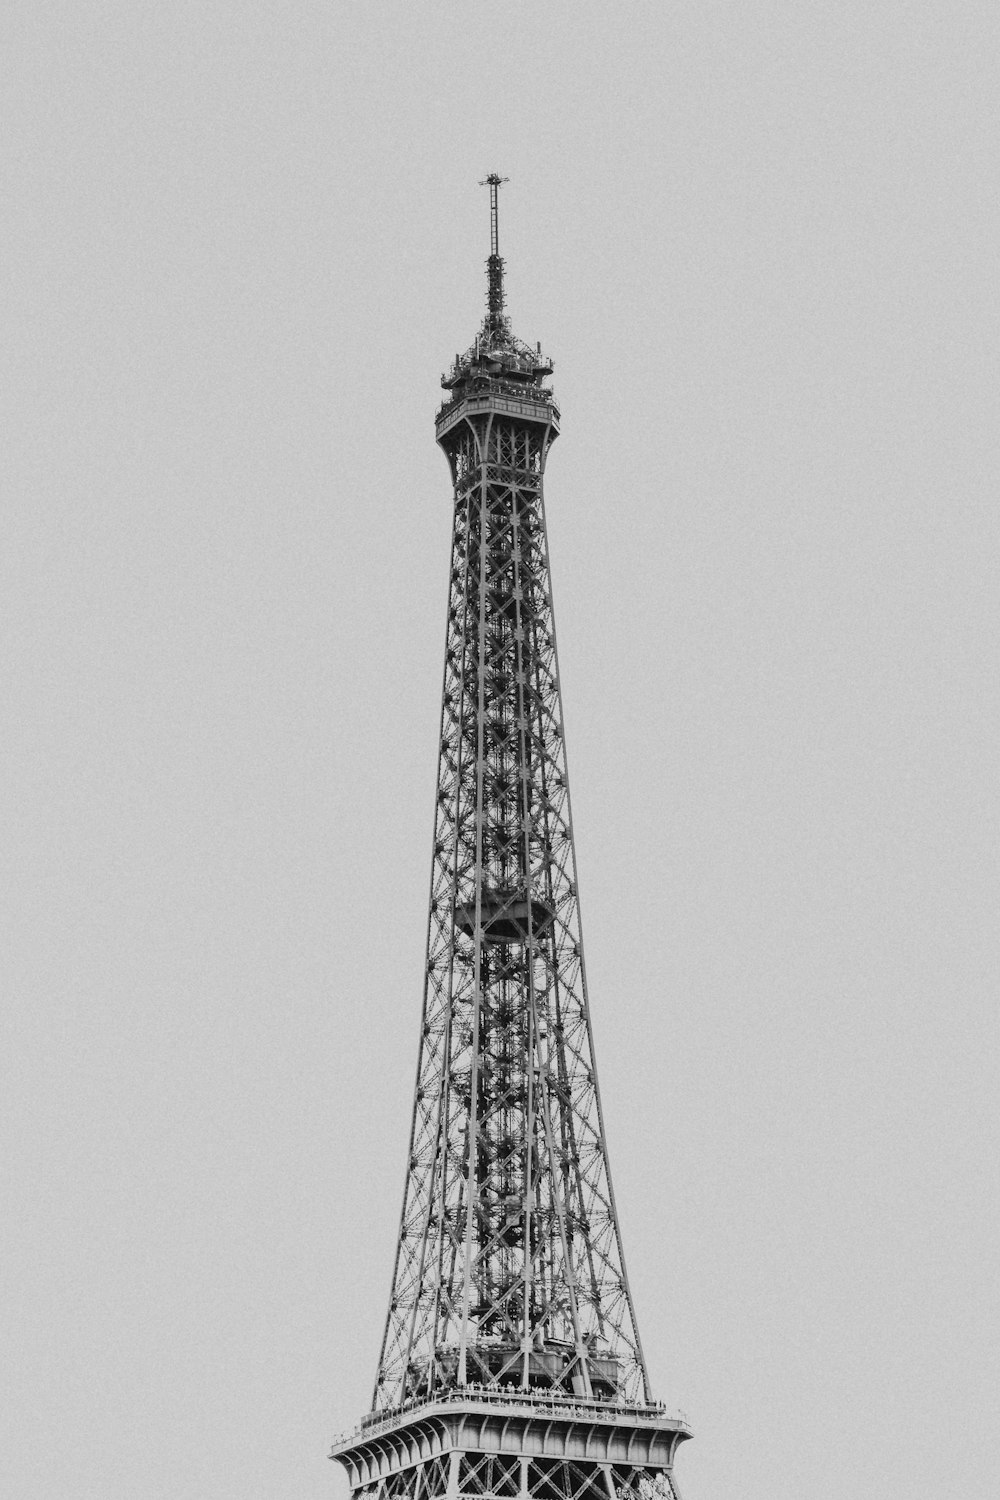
(488,1443)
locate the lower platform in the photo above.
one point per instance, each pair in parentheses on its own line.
(504,1446)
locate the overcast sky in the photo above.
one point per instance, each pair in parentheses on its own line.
(239,244)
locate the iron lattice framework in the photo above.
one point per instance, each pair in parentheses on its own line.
(510,1297)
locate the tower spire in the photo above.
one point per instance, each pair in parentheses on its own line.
(495,320)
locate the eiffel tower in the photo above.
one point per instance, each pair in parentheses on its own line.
(511,1364)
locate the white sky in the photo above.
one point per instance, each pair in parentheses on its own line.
(239,243)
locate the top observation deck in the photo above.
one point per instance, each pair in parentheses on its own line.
(507,381)
(500,373)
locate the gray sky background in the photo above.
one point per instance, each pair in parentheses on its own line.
(239,244)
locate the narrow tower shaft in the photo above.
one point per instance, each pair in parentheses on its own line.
(510,1264)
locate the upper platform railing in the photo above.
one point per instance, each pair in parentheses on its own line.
(534,402)
(533,1403)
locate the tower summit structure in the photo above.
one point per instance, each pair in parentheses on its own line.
(511,1364)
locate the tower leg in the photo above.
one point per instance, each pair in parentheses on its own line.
(453,1463)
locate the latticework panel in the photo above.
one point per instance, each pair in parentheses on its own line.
(425,1481)
(502,1477)
(509,1266)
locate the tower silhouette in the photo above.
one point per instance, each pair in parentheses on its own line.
(511,1364)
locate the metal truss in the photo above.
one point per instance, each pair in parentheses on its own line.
(520,1477)
(509,1268)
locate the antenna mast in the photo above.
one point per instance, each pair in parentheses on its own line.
(494,266)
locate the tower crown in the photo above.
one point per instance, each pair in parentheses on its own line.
(497,359)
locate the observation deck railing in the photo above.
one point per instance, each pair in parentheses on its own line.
(512,400)
(532,1402)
